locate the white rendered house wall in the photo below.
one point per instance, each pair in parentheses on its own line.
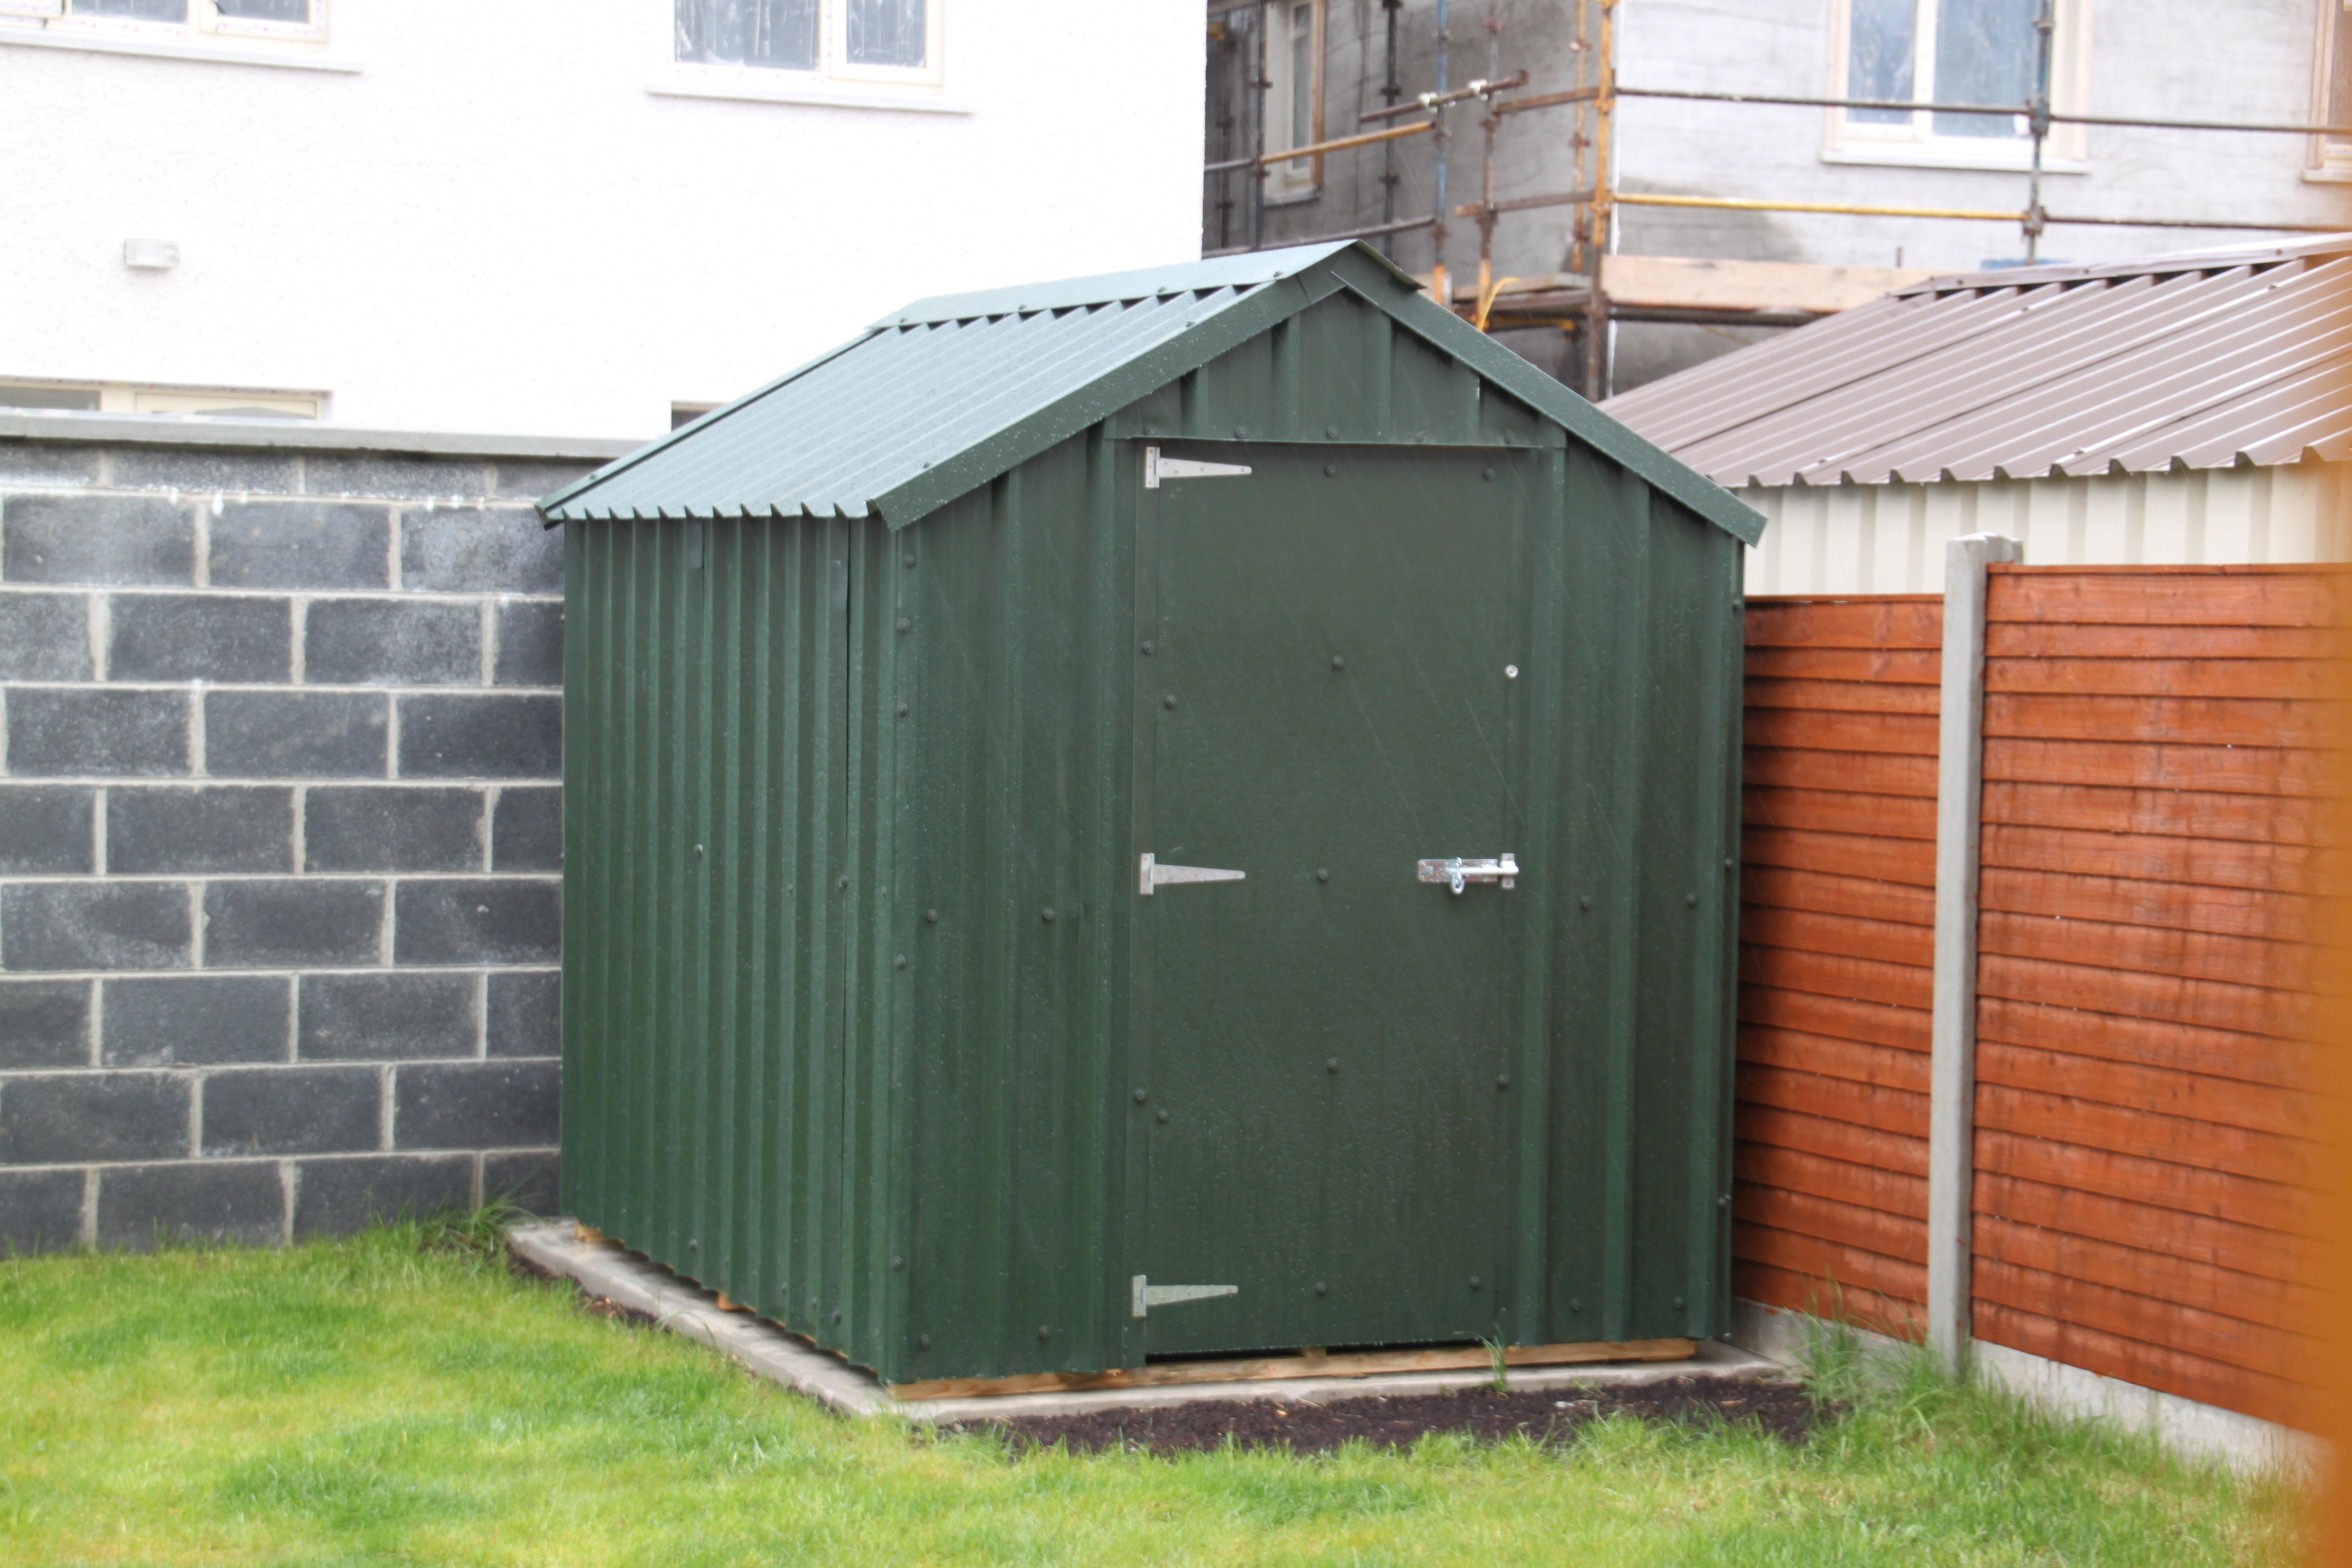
(523,217)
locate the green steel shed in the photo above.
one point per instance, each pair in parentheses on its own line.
(1177,813)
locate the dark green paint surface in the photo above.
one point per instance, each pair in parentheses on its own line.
(858,987)
(1331,1041)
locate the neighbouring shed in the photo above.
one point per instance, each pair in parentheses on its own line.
(1013,769)
(2179,411)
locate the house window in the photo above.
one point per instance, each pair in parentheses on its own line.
(1294,95)
(853,40)
(301,19)
(1951,51)
(2331,155)
(118,397)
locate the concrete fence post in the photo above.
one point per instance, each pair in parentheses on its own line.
(1951,1153)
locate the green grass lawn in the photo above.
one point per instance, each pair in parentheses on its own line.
(400,1398)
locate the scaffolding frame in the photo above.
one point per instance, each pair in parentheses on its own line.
(1583,307)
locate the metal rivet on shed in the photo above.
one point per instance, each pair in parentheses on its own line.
(931,916)
(902,710)
(1149,648)
(899,962)
(841,885)
(896,1261)
(836,1314)
(1723,1200)
(698,851)
(1475,1282)
(1502,1080)
(1322,873)
(1046,913)
(1576,1303)
(1161,1113)
(1239,431)
(1584,902)
(1338,663)
(907,559)
(1168,701)
(1141,1096)
(1678,1301)
(692,1245)
(1510,672)
(1691,899)
(1332,431)
(1331,1064)
(1329,469)
(1322,1289)
(1486,472)
(1730,864)
(905,625)
(1044,1332)
(922,1342)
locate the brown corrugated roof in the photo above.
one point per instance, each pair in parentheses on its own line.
(2200,361)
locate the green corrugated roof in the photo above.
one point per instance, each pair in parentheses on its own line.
(945,395)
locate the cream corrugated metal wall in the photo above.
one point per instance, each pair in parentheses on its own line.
(1889,538)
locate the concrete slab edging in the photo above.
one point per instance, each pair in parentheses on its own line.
(603,1268)
(2244,1443)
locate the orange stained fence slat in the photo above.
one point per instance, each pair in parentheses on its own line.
(2204,1004)
(1842,854)
(2159,1091)
(1874,1023)
(1914,621)
(2172,906)
(1828,1262)
(2254,1347)
(2205,862)
(2178,813)
(2273,678)
(2062,640)
(2067,1121)
(1834,1099)
(2265,1301)
(1832,1220)
(1848,1303)
(1844,936)
(1892,666)
(1840,696)
(1898,734)
(1865,1186)
(1897,1153)
(2159,1183)
(2294,597)
(2199,1238)
(2191,955)
(2231,769)
(2147,1042)
(1849,772)
(1826,1057)
(2150,1366)
(1823,974)
(1774,887)
(1823,811)
(2190,721)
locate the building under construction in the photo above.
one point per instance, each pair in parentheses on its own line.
(1625,187)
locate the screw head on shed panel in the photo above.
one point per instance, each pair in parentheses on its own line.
(1161,1113)
(905,625)
(1148,648)
(1046,914)
(1330,469)
(1141,1096)
(1338,661)
(896,1261)
(931,916)
(1331,1064)
(1321,1289)
(1322,873)
(899,962)
(922,1342)
(1168,701)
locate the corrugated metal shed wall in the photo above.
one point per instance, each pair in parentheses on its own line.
(1889,538)
(724,1107)
(760,1095)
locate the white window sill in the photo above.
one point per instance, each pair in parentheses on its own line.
(747,87)
(165,48)
(2337,174)
(1929,155)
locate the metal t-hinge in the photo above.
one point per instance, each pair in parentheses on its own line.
(1157,468)
(1149,873)
(1146,1295)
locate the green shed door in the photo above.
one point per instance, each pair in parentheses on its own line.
(1331,690)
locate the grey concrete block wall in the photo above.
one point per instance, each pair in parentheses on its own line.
(280,849)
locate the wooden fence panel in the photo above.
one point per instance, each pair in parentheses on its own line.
(1837,915)
(2161,750)
(2158,746)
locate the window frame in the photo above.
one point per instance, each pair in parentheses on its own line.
(1294,179)
(203,22)
(833,69)
(160,400)
(1915,142)
(2327,157)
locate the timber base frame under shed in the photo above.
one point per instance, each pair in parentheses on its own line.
(1176,815)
